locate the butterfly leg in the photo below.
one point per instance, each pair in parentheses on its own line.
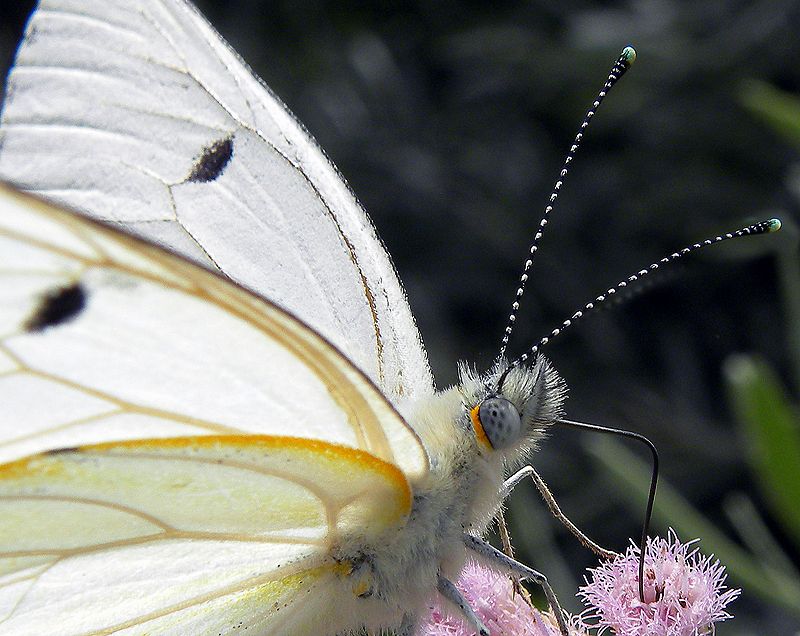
(505,537)
(513,481)
(407,627)
(555,509)
(501,561)
(451,593)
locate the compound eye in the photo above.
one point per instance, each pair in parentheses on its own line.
(501,421)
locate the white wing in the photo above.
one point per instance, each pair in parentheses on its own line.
(103,337)
(140,114)
(203,535)
(201,529)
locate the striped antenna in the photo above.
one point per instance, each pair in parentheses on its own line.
(764,227)
(623,63)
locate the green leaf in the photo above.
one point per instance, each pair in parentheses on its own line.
(770,429)
(778,109)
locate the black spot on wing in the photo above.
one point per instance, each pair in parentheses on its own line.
(212,162)
(62,451)
(57,307)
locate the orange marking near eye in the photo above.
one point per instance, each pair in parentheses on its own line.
(476,424)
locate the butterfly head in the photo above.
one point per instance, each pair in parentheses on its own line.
(509,417)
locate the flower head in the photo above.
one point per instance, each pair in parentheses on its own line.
(492,597)
(684,592)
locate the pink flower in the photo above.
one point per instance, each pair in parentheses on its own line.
(492,597)
(684,592)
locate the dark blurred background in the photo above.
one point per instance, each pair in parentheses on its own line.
(451,119)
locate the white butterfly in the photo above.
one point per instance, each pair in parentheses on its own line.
(183,454)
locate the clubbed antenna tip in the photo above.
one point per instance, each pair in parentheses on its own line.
(628,55)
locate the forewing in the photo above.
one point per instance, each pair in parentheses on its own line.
(140,114)
(104,337)
(208,526)
(203,535)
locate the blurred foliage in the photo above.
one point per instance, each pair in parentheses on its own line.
(450,121)
(779,109)
(771,438)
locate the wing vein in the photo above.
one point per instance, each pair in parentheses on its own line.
(129,407)
(61,427)
(203,598)
(311,486)
(86,19)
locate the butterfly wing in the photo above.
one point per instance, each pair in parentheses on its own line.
(197,535)
(215,520)
(103,337)
(141,115)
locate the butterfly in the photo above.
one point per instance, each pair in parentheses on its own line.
(218,415)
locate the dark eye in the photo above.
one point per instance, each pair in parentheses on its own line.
(500,421)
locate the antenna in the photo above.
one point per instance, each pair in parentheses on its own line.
(623,63)
(764,227)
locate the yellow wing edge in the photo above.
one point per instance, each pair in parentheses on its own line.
(251,443)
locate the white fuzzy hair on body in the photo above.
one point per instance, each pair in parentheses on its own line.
(461,494)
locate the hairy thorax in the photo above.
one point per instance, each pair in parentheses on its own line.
(461,493)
